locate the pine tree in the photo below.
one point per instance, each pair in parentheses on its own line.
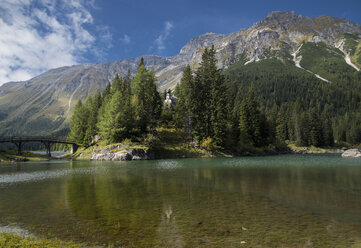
(116,84)
(146,100)
(281,125)
(300,123)
(117,121)
(252,122)
(92,129)
(79,124)
(201,105)
(185,93)
(87,107)
(210,105)
(328,139)
(315,129)
(106,91)
(235,116)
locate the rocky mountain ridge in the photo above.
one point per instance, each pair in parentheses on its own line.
(46,101)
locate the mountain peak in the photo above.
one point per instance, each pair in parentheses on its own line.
(283,14)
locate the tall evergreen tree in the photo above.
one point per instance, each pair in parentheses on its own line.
(210,107)
(315,129)
(281,124)
(92,129)
(116,122)
(79,124)
(186,95)
(116,84)
(146,100)
(252,123)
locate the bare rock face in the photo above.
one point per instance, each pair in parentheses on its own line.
(352,153)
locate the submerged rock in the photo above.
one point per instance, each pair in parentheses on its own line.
(352,153)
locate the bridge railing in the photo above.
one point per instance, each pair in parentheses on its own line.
(36,138)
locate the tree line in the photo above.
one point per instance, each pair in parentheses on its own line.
(238,109)
(127,107)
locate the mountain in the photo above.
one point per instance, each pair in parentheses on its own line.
(324,47)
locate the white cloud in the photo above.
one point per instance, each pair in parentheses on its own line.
(159,42)
(126,39)
(37,35)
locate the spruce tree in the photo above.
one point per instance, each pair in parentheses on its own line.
(146,100)
(116,123)
(79,124)
(186,95)
(87,107)
(92,129)
(116,84)
(252,122)
(282,125)
(315,129)
(201,104)
(210,105)
(234,117)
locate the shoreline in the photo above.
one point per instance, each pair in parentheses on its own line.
(11,156)
(87,154)
(118,152)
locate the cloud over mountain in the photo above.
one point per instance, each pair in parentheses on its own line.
(37,35)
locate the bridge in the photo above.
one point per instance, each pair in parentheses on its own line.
(47,141)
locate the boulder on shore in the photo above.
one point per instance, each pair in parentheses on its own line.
(352,153)
(126,154)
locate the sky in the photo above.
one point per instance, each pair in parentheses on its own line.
(38,35)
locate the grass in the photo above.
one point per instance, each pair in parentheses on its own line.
(312,149)
(356,57)
(11,155)
(167,143)
(12,240)
(328,63)
(83,153)
(172,143)
(350,43)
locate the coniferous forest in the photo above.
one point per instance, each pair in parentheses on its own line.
(262,106)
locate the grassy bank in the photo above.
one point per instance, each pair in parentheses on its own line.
(312,149)
(7,155)
(171,143)
(12,240)
(167,143)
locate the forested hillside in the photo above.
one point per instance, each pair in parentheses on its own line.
(253,107)
(302,108)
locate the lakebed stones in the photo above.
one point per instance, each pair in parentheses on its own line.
(123,155)
(352,153)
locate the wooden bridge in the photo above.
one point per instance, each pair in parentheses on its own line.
(47,141)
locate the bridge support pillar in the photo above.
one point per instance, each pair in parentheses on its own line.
(74,148)
(47,148)
(19,145)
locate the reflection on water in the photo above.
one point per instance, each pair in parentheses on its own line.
(303,201)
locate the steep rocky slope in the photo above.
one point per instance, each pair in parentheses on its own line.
(44,104)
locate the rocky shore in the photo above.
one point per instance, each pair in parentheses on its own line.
(121,153)
(352,153)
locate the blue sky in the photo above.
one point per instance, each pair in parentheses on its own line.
(37,35)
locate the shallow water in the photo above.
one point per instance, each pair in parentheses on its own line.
(277,201)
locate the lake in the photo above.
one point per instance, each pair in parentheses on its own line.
(275,201)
